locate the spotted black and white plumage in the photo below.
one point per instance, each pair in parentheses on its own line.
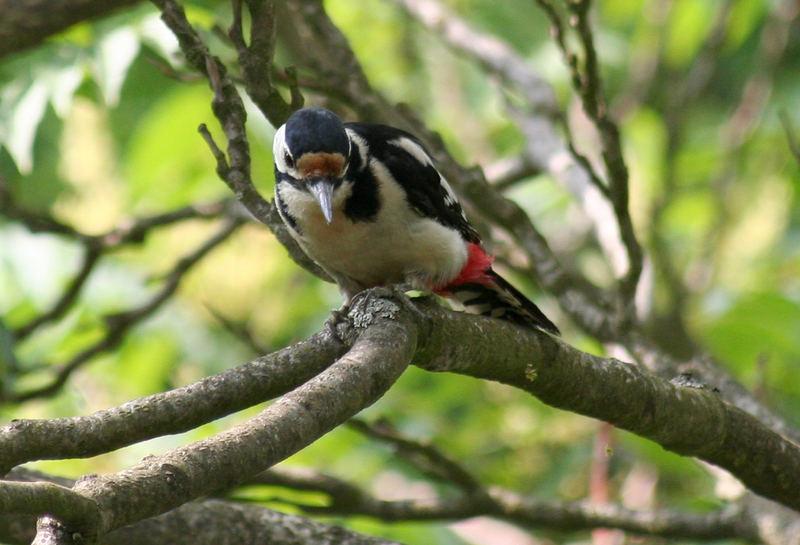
(366,202)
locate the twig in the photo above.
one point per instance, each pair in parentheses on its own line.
(133,231)
(492,53)
(119,324)
(229,109)
(507,172)
(423,455)
(90,259)
(227,106)
(346,498)
(137,230)
(239,331)
(257,58)
(588,85)
(96,246)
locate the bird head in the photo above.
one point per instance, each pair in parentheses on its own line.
(312,147)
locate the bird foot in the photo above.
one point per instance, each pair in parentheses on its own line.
(399,292)
(338,315)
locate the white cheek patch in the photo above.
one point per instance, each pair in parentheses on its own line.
(296,202)
(303,208)
(279,152)
(278,147)
(341,194)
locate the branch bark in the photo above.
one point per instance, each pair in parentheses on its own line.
(206,522)
(169,412)
(385,335)
(347,499)
(378,355)
(26,23)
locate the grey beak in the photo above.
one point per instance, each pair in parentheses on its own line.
(322,190)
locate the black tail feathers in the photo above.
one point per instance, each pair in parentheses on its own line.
(499,299)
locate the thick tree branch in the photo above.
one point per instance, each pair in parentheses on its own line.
(216,522)
(687,420)
(169,412)
(382,346)
(45,497)
(206,522)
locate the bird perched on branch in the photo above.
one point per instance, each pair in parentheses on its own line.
(366,202)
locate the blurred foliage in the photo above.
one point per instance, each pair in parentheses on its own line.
(98,125)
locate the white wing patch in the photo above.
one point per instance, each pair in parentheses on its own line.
(414,149)
(449,197)
(419,153)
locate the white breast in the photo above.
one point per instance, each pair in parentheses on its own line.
(396,246)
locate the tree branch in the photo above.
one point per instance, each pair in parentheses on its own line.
(68,297)
(133,231)
(385,334)
(27,23)
(422,455)
(206,522)
(119,324)
(228,107)
(349,499)
(688,421)
(169,412)
(382,346)
(587,83)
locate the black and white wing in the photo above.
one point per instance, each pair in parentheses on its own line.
(411,166)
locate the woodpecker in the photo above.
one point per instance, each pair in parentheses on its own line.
(366,202)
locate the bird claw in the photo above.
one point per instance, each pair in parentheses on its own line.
(397,292)
(338,315)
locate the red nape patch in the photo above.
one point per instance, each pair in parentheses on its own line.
(473,272)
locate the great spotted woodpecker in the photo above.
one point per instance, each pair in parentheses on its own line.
(366,202)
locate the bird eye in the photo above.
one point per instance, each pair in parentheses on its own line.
(288,160)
